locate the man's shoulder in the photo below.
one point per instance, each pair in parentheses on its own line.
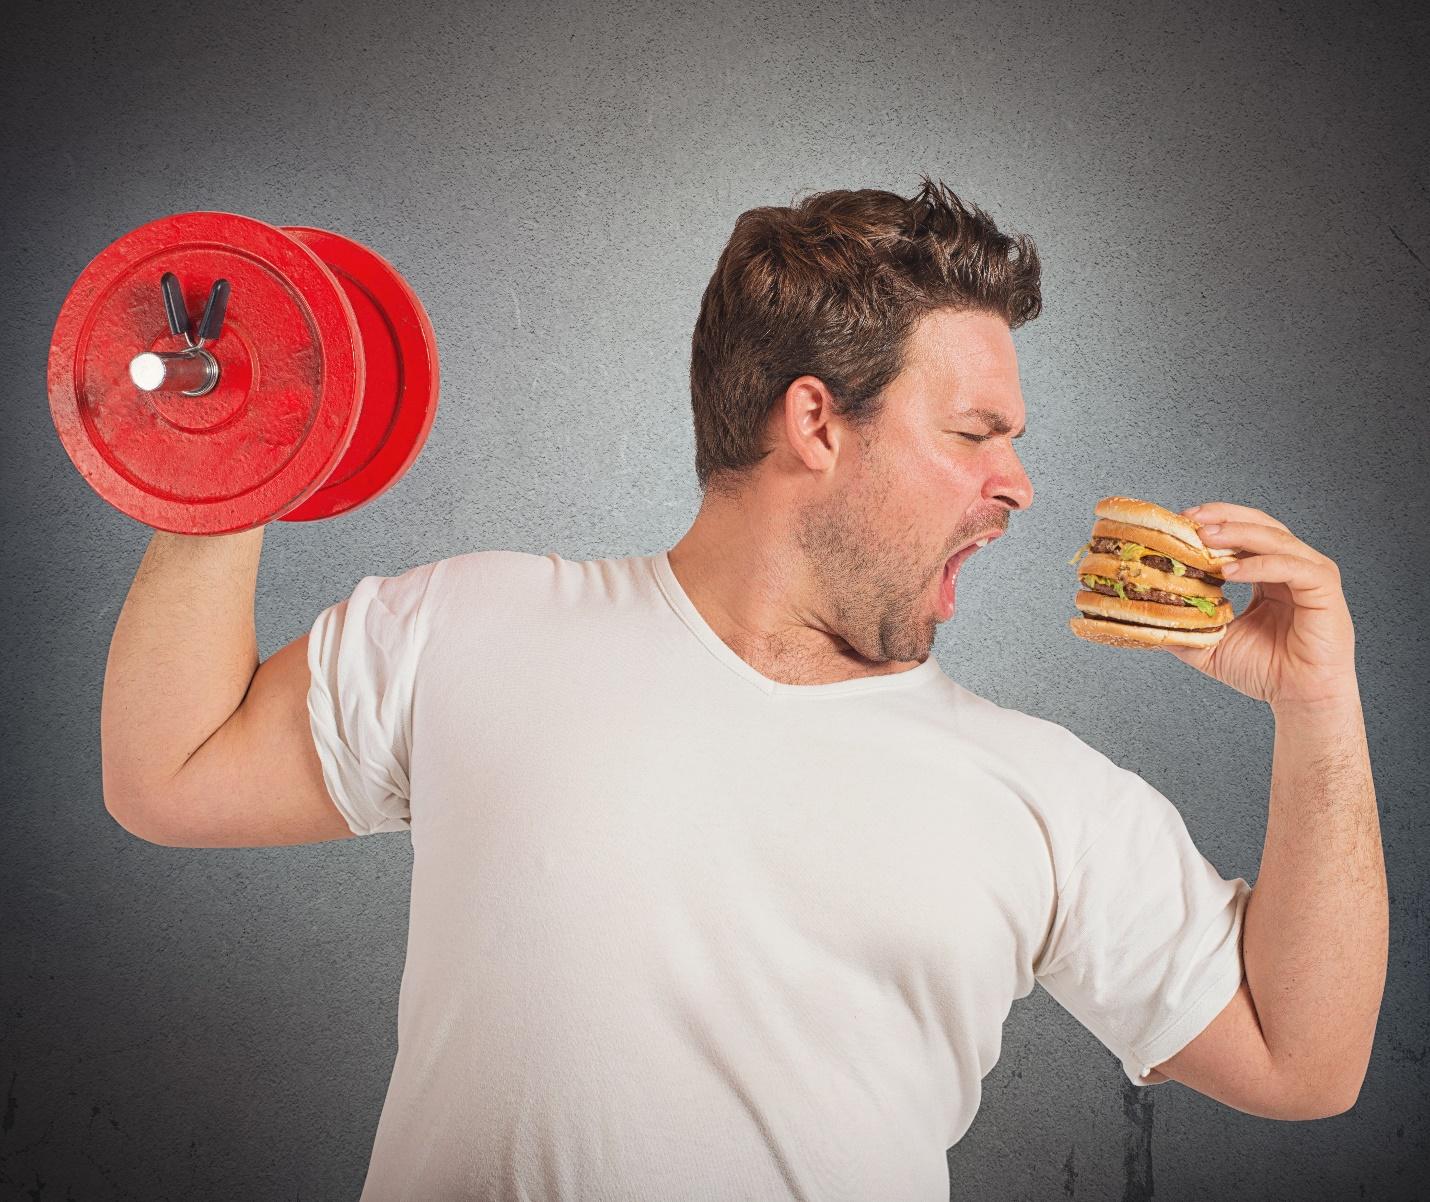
(986,713)
(501,579)
(1020,735)
(499,561)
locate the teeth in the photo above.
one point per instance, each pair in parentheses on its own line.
(982,542)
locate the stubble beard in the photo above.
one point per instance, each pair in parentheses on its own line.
(870,587)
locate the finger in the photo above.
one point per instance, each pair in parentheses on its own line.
(1255,536)
(1218,511)
(1312,583)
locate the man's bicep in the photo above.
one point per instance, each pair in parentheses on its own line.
(1231,1062)
(257,781)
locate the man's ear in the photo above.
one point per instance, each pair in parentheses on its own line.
(805,420)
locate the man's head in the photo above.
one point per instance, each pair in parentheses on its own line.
(841,350)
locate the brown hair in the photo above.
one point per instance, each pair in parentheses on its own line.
(833,287)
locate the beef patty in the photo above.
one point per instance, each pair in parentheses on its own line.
(1113,546)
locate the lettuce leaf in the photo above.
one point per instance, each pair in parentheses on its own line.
(1092,578)
(1205,604)
(1080,552)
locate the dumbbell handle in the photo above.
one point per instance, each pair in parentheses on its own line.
(192,372)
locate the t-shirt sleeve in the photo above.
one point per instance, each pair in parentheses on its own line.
(1145,944)
(362,661)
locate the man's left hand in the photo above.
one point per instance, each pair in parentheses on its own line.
(1294,643)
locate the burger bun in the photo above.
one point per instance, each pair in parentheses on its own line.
(1121,634)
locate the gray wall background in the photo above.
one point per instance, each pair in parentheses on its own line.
(1231,205)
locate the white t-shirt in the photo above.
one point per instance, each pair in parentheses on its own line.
(679,931)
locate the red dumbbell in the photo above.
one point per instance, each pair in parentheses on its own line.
(306,390)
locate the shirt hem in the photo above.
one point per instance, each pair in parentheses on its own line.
(1189,1024)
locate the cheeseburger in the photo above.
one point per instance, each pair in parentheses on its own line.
(1148,581)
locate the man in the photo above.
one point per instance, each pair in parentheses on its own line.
(721,888)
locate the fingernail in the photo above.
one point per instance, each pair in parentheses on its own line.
(1229,569)
(1212,529)
(1192,510)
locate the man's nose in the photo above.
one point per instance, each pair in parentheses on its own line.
(1011,485)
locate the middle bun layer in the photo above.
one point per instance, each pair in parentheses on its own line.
(1152,613)
(1144,575)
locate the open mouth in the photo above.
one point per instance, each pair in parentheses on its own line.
(947,583)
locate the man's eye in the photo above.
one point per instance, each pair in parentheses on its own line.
(975,437)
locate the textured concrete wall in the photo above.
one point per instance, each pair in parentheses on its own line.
(1231,204)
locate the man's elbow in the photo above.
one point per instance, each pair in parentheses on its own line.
(136,821)
(1345,1100)
(1326,1103)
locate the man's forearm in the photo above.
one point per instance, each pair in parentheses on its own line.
(182,657)
(1317,924)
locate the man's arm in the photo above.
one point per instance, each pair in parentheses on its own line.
(1317,924)
(1316,930)
(182,657)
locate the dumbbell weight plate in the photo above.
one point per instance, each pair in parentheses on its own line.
(291,375)
(399,400)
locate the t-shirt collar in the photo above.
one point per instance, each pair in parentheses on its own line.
(684,608)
